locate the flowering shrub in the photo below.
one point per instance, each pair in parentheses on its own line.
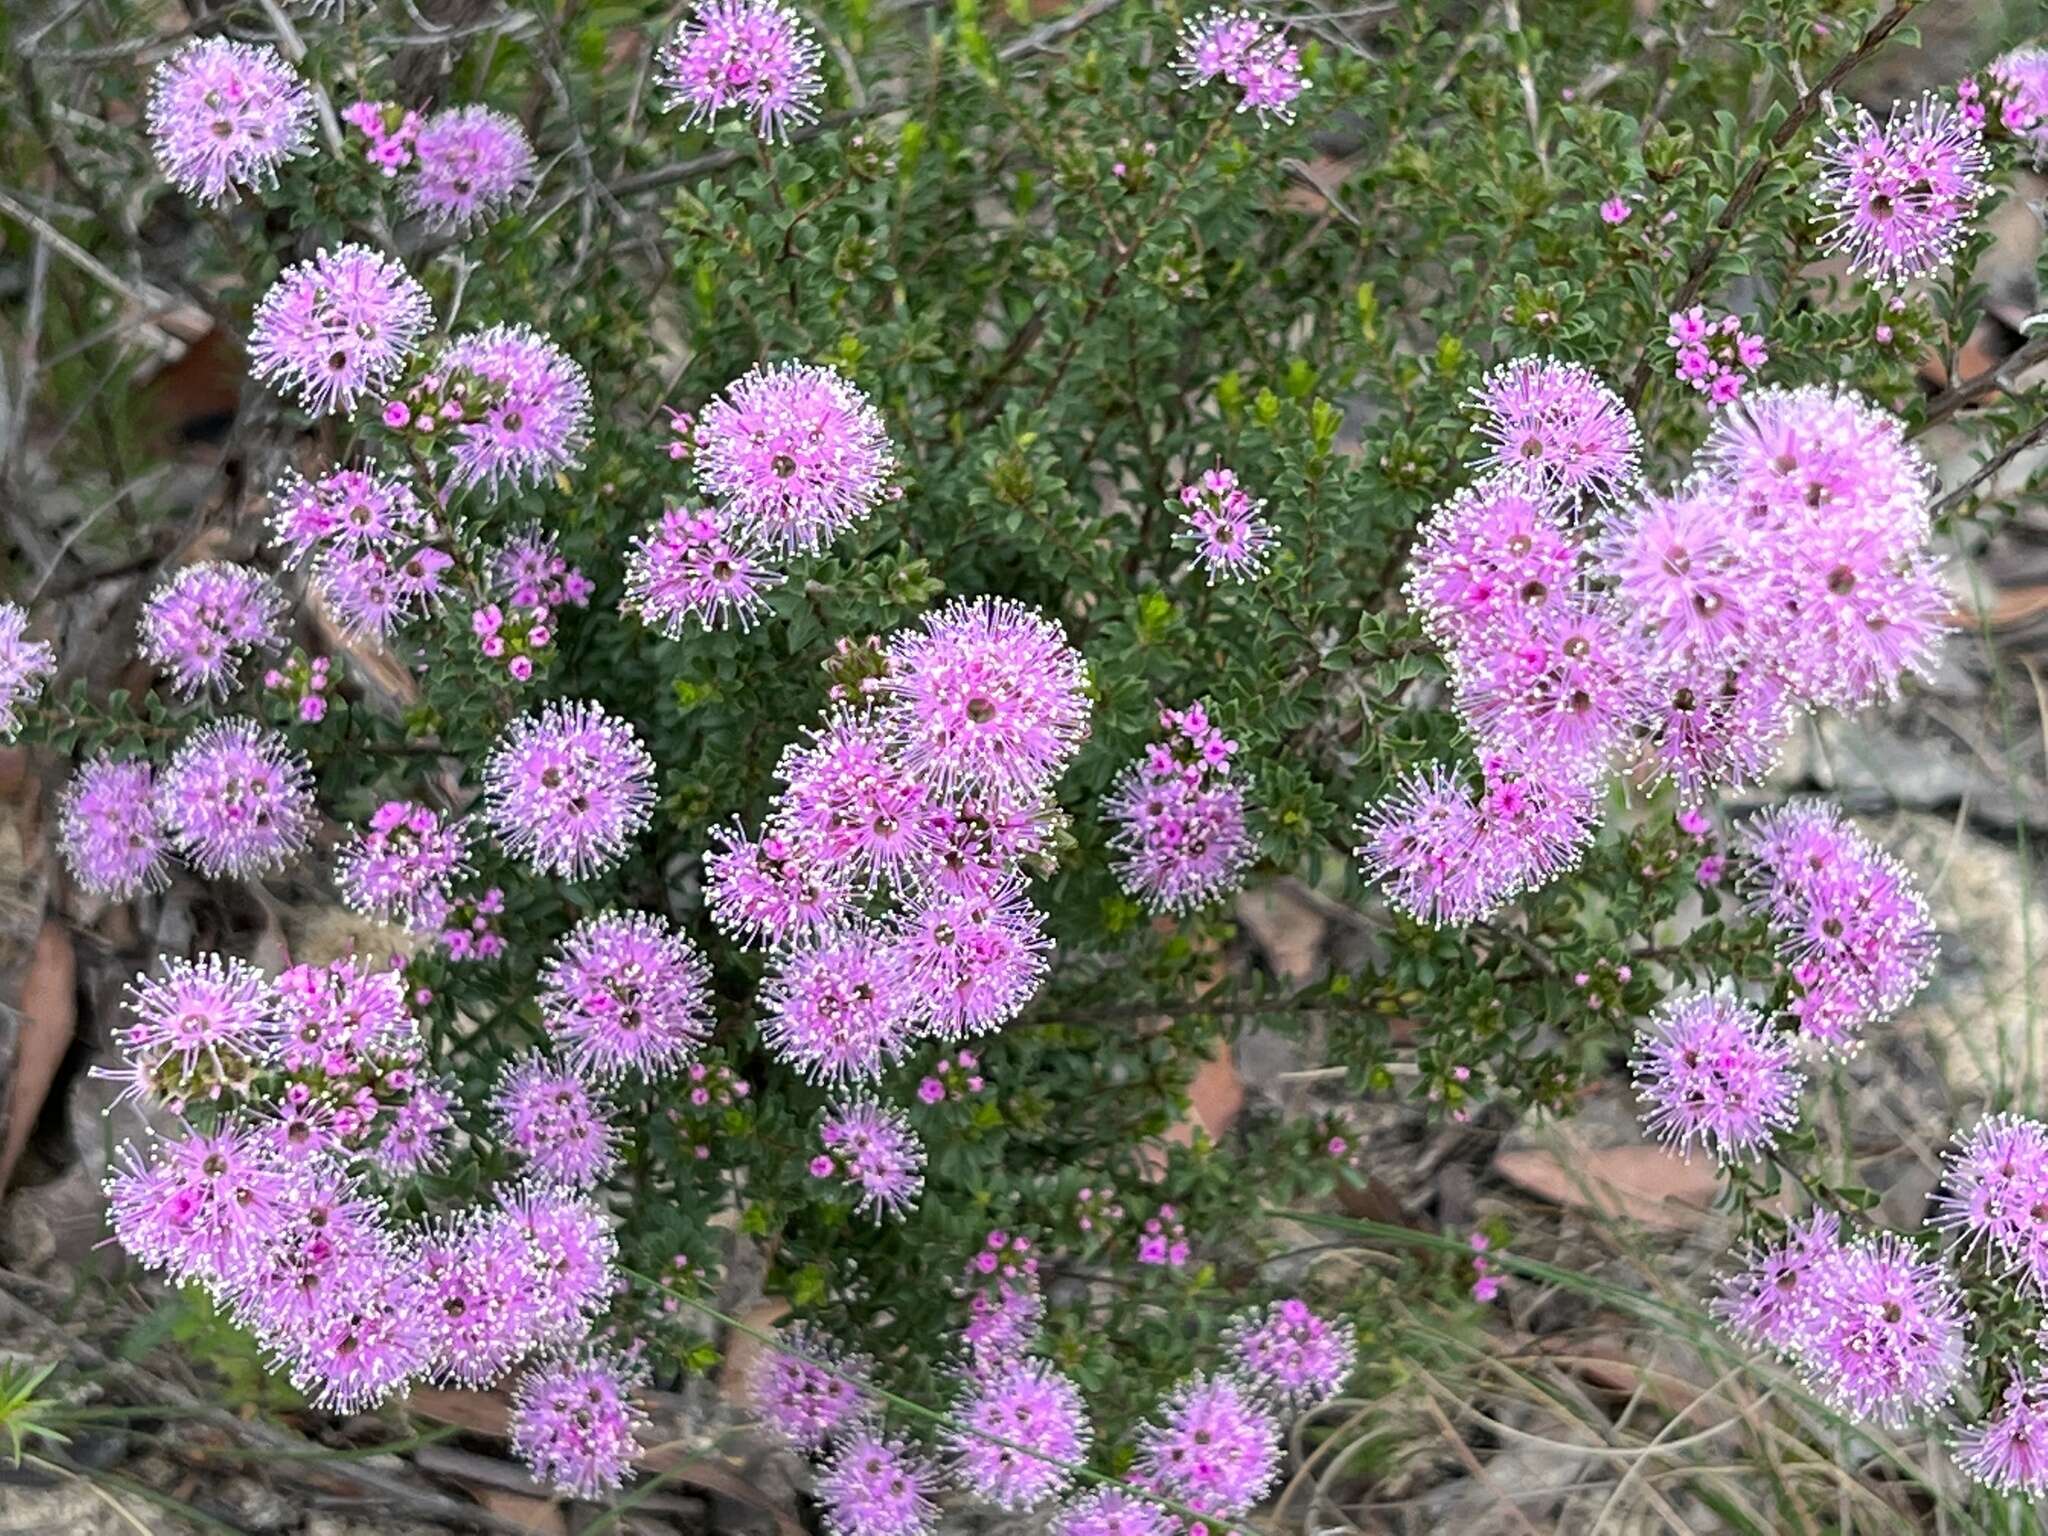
(883,530)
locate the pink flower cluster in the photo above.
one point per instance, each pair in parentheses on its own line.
(379,556)
(1898,196)
(200,624)
(1793,569)
(1716,357)
(338,327)
(224,114)
(1713,1071)
(1247,51)
(871,1149)
(888,882)
(402,867)
(1220,522)
(2018,87)
(25,666)
(1177,819)
(468,164)
(754,58)
(1851,928)
(1877,1327)
(568,787)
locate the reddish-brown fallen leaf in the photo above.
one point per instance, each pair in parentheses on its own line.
(481,1413)
(1645,1184)
(49,1018)
(543,1517)
(2006,610)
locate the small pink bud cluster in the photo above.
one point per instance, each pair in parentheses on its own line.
(1004,1303)
(301,684)
(470,930)
(714,1089)
(530,574)
(391,130)
(2018,87)
(1163,1240)
(1485,1283)
(1104,1220)
(951,1077)
(1716,357)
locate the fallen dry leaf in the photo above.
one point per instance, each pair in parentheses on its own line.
(543,1517)
(742,1349)
(2007,610)
(1645,1184)
(49,1018)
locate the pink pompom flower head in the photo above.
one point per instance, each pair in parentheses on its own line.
(1488,560)
(624,993)
(238,799)
(25,666)
(202,1203)
(1177,821)
(1995,1194)
(200,624)
(770,891)
(2008,1449)
(972,962)
(1288,1351)
(693,568)
(1246,50)
(473,164)
(1850,924)
(987,692)
(807,1389)
(224,114)
(795,454)
(1887,1338)
(1898,197)
(483,1292)
(871,1148)
(1773,1298)
(110,828)
(574,1252)
(753,58)
(839,1009)
(375,1338)
(1212,1446)
(1712,1071)
(568,788)
(1444,855)
(523,403)
(338,327)
(555,1122)
(403,865)
(1017,1435)
(1556,423)
(1220,523)
(876,1485)
(851,806)
(201,1031)
(576,1425)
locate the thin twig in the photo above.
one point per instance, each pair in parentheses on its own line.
(1998,376)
